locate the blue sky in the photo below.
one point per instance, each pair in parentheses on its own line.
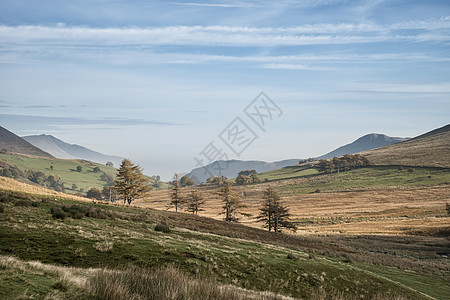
(157,81)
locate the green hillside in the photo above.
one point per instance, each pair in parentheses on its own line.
(308,180)
(65,169)
(120,238)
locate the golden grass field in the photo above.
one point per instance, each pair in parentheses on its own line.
(373,211)
(14,185)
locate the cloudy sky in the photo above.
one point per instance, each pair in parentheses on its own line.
(158,81)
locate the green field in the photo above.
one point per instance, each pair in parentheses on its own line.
(120,237)
(288,173)
(66,169)
(309,180)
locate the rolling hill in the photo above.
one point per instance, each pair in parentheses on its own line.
(98,251)
(9,142)
(61,149)
(231,168)
(364,143)
(431,149)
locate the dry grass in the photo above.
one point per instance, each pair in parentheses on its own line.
(131,283)
(374,211)
(166,284)
(10,184)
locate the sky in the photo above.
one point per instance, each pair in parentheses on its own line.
(172,85)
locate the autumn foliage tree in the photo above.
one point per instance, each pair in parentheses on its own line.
(274,213)
(94,193)
(231,202)
(130,183)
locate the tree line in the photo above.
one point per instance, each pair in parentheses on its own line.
(343,163)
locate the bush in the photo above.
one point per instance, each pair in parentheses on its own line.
(291,256)
(6,198)
(317,191)
(24,203)
(163,227)
(2,208)
(58,213)
(75,211)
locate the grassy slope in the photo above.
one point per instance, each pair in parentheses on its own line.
(129,239)
(66,170)
(360,179)
(429,151)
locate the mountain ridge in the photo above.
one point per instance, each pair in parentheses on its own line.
(61,149)
(430,149)
(11,142)
(364,143)
(231,168)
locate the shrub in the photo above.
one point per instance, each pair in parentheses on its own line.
(24,203)
(75,211)
(317,191)
(2,208)
(58,213)
(291,256)
(163,227)
(6,198)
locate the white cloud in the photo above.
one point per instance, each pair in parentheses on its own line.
(294,67)
(233,36)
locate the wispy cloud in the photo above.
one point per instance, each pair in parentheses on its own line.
(232,36)
(264,4)
(57,122)
(294,67)
(222,5)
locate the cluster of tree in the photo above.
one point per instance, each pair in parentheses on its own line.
(108,193)
(216,180)
(304,161)
(186,181)
(51,181)
(343,163)
(247,172)
(274,213)
(192,202)
(244,179)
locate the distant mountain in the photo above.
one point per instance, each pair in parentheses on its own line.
(231,168)
(61,149)
(431,149)
(15,144)
(364,143)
